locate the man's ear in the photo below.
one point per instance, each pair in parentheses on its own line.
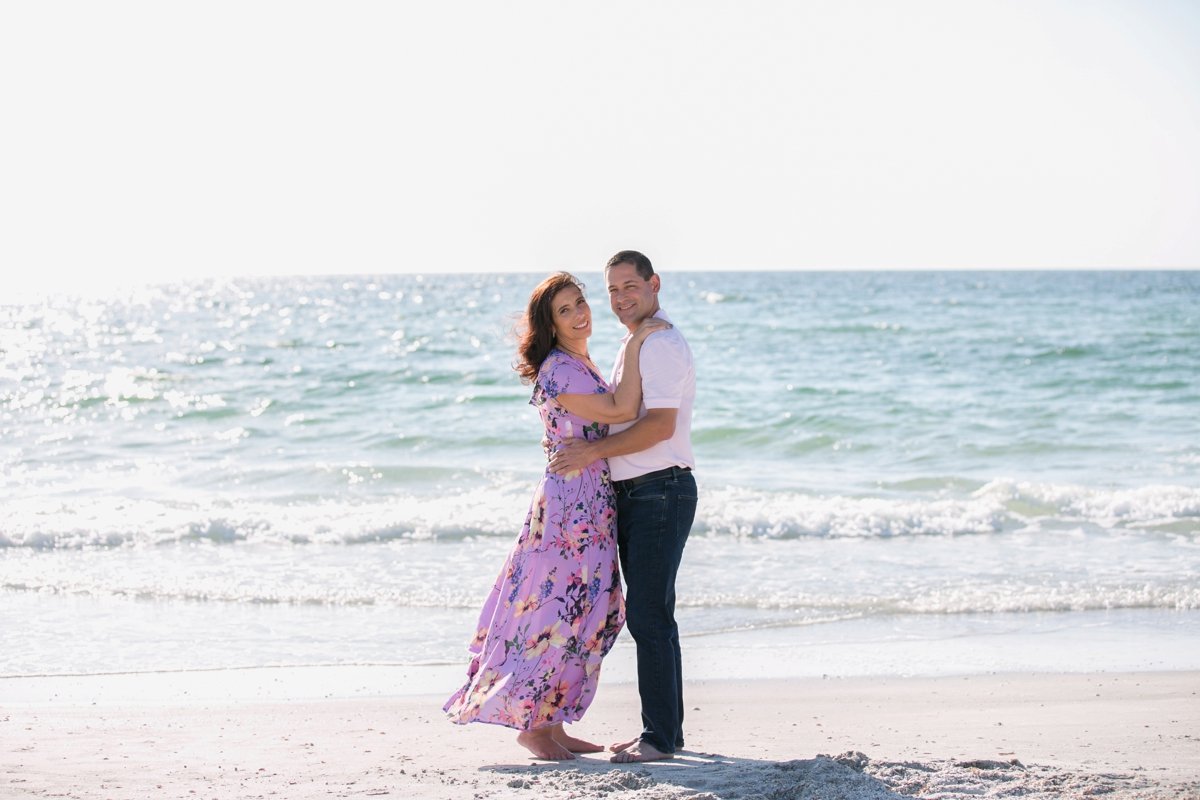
(655,283)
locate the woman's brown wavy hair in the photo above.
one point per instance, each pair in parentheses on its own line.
(535,337)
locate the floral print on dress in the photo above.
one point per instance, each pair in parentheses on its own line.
(556,607)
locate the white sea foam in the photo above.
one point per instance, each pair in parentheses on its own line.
(941,595)
(118,522)
(1000,505)
(496,509)
(1141,506)
(731,583)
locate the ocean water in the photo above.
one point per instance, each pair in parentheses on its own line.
(329,470)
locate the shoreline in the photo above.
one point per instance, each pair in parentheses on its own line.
(1126,735)
(1118,640)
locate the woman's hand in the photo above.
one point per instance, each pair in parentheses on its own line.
(648,326)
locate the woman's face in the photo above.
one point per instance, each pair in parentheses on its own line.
(572,318)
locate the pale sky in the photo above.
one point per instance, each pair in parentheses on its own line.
(166,139)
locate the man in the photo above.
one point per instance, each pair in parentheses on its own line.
(651,464)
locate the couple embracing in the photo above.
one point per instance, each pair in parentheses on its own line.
(618,487)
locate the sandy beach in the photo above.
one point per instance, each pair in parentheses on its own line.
(1126,735)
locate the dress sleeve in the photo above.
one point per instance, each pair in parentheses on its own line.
(560,375)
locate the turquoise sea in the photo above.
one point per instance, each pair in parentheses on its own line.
(311,471)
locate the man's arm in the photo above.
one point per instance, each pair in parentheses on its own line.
(574,454)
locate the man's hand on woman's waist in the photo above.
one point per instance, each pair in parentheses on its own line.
(572,455)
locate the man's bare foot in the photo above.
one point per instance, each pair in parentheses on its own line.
(542,744)
(621,747)
(571,743)
(639,752)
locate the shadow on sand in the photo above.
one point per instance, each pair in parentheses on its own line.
(851,776)
(700,776)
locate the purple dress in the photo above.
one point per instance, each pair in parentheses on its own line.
(556,607)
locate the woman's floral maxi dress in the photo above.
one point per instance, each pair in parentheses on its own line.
(556,608)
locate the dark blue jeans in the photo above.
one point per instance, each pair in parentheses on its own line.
(653,521)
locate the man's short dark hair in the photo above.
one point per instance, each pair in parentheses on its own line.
(639,262)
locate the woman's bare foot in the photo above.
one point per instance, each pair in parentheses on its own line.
(571,743)
(542,744)
(639,752)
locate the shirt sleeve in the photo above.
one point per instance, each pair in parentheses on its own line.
(664,363)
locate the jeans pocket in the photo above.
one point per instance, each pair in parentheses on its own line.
(647,492)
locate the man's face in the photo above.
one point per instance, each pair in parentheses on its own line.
(632,298)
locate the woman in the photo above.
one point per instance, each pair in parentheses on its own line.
(556,608)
